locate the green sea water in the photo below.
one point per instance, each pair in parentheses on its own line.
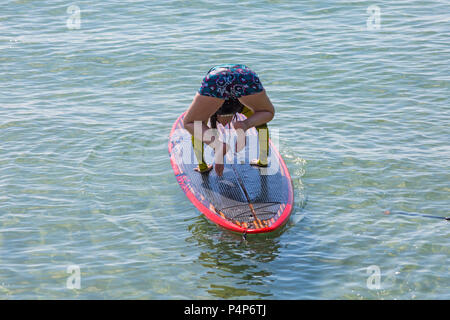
(90,208)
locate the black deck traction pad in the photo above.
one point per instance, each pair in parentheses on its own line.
(226,195)
(267,193)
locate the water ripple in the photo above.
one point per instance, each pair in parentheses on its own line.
(85,177)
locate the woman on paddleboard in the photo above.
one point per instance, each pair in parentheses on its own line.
(225,91)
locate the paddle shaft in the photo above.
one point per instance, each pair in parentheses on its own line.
(246,194)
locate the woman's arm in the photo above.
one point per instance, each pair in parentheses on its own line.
(262,107)
(258,118)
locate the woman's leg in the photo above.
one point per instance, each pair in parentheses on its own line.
(201,109)
(263,140)
(198,147)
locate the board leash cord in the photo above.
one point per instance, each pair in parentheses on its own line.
(387,212)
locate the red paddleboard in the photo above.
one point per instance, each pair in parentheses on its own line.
(245,199)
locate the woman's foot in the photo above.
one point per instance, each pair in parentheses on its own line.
(204,169)
(257,162)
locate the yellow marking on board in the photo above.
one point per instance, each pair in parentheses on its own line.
(260,223)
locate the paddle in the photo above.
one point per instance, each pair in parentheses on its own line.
(246,195)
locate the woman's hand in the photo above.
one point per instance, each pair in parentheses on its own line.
(219,169)
(240,125)
(219,156)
